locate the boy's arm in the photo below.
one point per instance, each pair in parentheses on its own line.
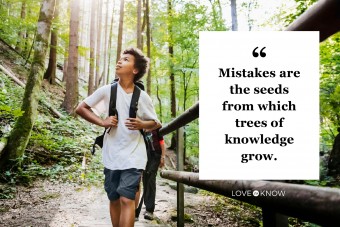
(85,112)
(137,124)
(162,163)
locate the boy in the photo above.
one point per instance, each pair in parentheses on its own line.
(124,153)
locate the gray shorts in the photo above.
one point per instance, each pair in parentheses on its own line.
(122,183)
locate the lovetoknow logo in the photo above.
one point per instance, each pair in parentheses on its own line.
(255,193)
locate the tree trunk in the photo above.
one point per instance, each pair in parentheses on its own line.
(172,74)
(99,43)
(81,40)
(159,100)
(120,30)
(234,26)
(86,37)
(148,45)
(21,34)
(92,47)
(215,23)
(143,23)
(71,96)
(65,65)
(334,158)
(139,27)
(52,62)
(21,132)
(110,44)
(106,43)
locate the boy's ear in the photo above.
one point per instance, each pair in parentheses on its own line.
(135,71)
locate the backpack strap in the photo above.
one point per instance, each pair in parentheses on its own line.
(134,102)
(113,98)
(134,105)
(112,111)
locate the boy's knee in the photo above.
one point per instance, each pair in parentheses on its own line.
(115,202)
(126,201)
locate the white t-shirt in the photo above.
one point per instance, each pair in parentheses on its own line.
(122,148)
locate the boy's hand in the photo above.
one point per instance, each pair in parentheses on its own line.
(161,164)
(110,121)
(134,123)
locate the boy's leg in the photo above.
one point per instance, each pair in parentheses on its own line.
(115,212)
(112,179)
(127,214)
(128,186)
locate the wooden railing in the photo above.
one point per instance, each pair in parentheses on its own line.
(177,124)
(318,205)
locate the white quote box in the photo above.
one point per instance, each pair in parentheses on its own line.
(291,85)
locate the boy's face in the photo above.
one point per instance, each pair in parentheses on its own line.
(126,65)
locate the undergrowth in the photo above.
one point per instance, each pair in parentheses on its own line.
(56,149)
(244,213)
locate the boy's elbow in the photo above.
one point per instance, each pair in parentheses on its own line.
(80,109)
(157,126)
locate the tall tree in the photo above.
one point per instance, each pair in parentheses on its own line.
(92,47)
(171,70)
(148,45)
(71,96)
(334,157)
(249,8)
(99,43)
(22,33)
(120,30)
(17,142)
(65,64)
(52,62)
(110,43)
(139,27)
(106,43)
(143,23)
(82,40)
(234,25)
(218,21)
(159,100)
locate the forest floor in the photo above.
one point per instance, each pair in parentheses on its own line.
(47,203)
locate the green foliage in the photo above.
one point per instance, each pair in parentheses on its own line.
(330,89)
(12,23)
(301,7)
(56,147)
(251,214)
(188,18)
(7,192)
(10,99)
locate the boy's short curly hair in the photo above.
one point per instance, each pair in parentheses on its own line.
(141,61)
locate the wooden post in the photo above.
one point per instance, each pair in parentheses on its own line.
(180,186)
(273,219)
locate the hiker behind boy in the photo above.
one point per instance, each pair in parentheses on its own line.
(157,155)
(124,153)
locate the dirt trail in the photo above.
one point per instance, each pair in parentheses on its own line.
(57,204)
(60,204)
(63,204)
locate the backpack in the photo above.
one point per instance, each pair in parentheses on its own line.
(113,111)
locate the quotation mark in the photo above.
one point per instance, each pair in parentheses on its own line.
(262,54)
